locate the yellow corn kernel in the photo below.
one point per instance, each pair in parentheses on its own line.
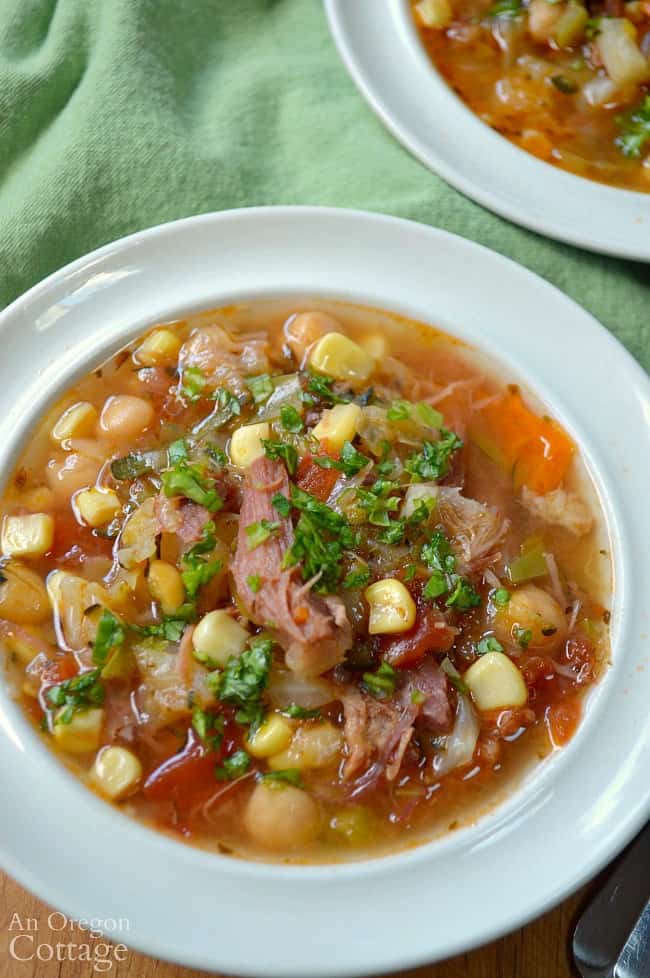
(165,585)
(392,609)
(158,348)
(313,745)
(495,682)
(81,734)
(97,507)
(246,443)
(337,356)
(27,536)
(417,494)
(617,45)
(77,421)
(271,737)
(218,636)
(338,425)
(116,772)
(435,14)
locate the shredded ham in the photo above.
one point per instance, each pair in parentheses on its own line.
(475,528)
(314,631)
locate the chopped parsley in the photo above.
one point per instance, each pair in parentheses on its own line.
(488,644)
(281,451)
(399,411)
(410,572)
(282,504)
(506,8)
(295,712)
(458,683)
(260,387)
(177,451)
(110,635)
(233,766)
(322,388)
(278,779)
(439,558)
(522,636)
(254,582)
(227,408)
(635,130)
(564,84)
(217,455)
(356,579)
(321,537)
(433,461)
(189,481)
(77,695)
(350,462)
(194,382)
(171,628)
(130,467)
(209,727)
(382,682)
(290,419)
(244,679)
(196,570)
(259,533)
(501,597)
(418,697)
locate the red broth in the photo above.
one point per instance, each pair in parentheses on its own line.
(568,82)
(302,582)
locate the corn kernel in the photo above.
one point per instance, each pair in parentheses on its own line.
(271,737)
(417,494)
(435,14)
(246,443)
(338,425)
(392,609)
(218,636)
(495,682)
(314,745)
(97,507)
(78,421)
(27,536)
(81,734)
(116,772)
(158,348)
(23,596)
(165,585)
(337,356)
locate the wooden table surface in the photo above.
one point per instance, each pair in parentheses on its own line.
(540,950)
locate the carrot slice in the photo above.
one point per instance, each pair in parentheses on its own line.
(535,449)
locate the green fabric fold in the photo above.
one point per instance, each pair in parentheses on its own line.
(119,114)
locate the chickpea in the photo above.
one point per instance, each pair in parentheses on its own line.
(124,416)
(70,474)
(542,18)
(531,609)
(281,817)
(303,330)
(23,596)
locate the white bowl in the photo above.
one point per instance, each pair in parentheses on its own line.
(565,822)
(379,44)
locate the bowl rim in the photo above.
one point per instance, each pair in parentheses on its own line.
(89,285)
(553,202)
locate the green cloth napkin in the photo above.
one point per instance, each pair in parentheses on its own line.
(119,114)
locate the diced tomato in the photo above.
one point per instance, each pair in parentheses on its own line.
(62,668)
(187,776)
(315,480)
(430,633)
(562,719)
(73,542)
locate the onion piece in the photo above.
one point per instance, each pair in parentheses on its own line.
(286,688)
(461,742)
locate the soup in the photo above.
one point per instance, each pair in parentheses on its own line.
(568,82)
(301,582)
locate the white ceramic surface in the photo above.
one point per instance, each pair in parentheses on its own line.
(576,811)
(381,49)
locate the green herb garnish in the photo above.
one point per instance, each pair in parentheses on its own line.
(281,504)
(350,462)
(296,712)
(506,8)
(501,597)
(189,481)
(260,387)
(209,727)
(77,695)
(356,579)
(281,451)
(433,461)
(233,766)
(278,779)
(177,451)
(290,419)
(488,644)
(110,635)
(321,536)
(259,533)
(382,682)
(522,636)
(254,582)
(194,382)
(635,130)
(322,388)
(244,679)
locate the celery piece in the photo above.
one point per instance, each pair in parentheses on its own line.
(530,563)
